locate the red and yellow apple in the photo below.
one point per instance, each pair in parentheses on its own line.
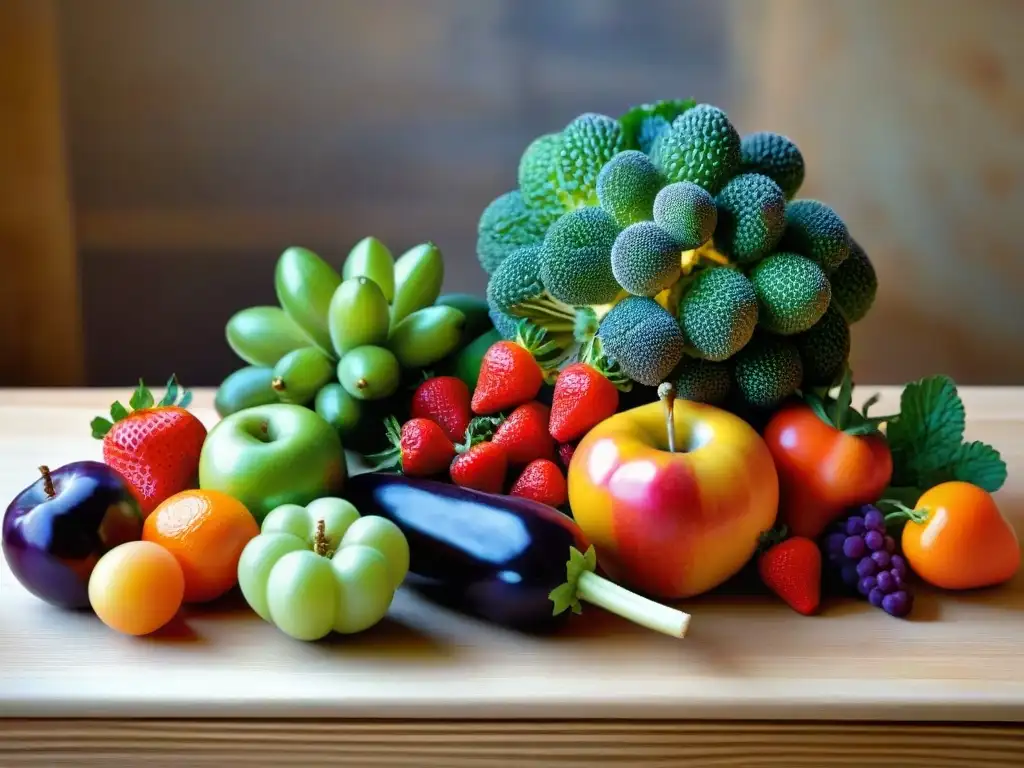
(673,524)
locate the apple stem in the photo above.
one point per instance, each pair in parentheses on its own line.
(277,384)
(667,395)
(320,539)
(48,488)
(629,605)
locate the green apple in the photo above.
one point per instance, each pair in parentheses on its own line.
(271,455)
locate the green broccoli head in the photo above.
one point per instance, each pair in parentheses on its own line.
(505,324)
(702,381)
(538,177)
(718,313)
(642,124)
(814,230)
(588,142)
(775,156)
(687,212)
(577,263)
(505,225)
(516,289)
(627,186)
(642,338)
(792,293)
(751,217)
(767,370)
(854,284)
(702,146)
(824,349)
(645,259)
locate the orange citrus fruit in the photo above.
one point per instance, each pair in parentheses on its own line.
(136,587)
(206,532)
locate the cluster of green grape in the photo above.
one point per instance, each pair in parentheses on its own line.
(344,343)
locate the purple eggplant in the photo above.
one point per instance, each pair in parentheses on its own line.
(56,529)
(508,560)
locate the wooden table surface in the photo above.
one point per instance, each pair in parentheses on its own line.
(752,684)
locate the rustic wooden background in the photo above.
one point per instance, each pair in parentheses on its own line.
(201,138)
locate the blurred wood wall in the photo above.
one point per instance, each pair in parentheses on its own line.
(206,137)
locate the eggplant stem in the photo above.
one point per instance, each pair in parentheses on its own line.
(629,605)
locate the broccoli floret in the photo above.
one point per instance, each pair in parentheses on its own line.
(777,157)
(687,212)
(577,263)
(516,289)
(642,338)
(824,349)
(627,186)
(718,313)
(702,381)
(792,291)
(538,178)
(854,284)
(506,325)
(814,230)
(505,225)
(751,217)
(702,146)
(645,259)
(588,142)
(642,124)
(767,370)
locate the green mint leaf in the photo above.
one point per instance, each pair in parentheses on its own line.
(927,434)
(980,464)
(186,399)
(172,392)
(100,427)
(118,411)
(141,398)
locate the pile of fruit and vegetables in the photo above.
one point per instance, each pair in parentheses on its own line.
(653,399)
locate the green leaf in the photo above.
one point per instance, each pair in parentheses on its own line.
(841,409)
(563,597)
(818,407)
(100,427)
(141,398)
(590,559)
(186,399)
(172,392)
(118,411)
(870,403)
(980,464)
(927,434)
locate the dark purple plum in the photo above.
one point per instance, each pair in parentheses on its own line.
(56,529)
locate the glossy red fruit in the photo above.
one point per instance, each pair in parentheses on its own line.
(420,448)
(542,481)
(509,376)
(792,570)
(583,398)
(445,401)
(565,453)
(524,434)
(481,467)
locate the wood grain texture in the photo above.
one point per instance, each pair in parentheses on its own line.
(565,744)
(41,338)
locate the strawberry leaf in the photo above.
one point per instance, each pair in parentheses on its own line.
(186,399)
(980,464)
(172,392)
(100,427)
(141,398)
(118,411)
(926,436)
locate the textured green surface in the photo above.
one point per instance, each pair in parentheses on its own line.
(767,370)
(506,224)
(751,217)
(645,259)
(775,156)
(577,265)
(627,186)
(815,230)
(517,279)
(643,338)
(702,381)
(588,142)
(702,146)
(686,211)
(718,313)
(538,177)
(854,284)
(824,349)
(792,293)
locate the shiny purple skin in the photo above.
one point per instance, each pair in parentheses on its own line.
(51,544)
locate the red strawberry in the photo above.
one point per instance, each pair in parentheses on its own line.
(542,481)
(445,401)
(481,467)
(565,452)
(791,568)
(509,372)
(585,395)
(524,434)
(155,446)
(419,449)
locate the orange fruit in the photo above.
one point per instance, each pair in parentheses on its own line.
(136,587)
(206,532)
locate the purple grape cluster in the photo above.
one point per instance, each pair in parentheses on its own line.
(865,557)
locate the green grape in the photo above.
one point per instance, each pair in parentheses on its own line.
(426,336)
(358,315)
(419,273)
(371,258)
(305,284)
(364,590)
(263,335)
(475,309)
(338,516)
(259,557)
(369,373)
(301,595)
(381,534)
(299,374)
(245,388)
(338,408)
